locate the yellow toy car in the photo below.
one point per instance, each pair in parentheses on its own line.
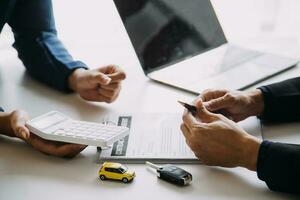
(115,171)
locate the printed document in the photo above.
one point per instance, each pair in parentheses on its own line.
(157,137)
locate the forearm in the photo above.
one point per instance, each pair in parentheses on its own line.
(281,101)
(46,59)
(42,53)
(278,165)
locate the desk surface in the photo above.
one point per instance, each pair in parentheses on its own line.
(28,174)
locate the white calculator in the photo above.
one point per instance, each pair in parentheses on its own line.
(58,127)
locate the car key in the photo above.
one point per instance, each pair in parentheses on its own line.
(172,174)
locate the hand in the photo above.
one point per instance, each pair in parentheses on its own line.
(235,105)
(218,141)
(17,120)
(102,84)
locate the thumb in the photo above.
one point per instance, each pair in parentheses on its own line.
(102,79)
(218,104)
(18,121)
(22,132)
(203,114)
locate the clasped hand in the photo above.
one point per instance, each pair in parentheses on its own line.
(102,84)
(215,138)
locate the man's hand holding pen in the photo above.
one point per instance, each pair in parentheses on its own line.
(215,139)
(235,105)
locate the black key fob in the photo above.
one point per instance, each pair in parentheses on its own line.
(172,174)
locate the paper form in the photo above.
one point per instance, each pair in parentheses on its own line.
(157,137)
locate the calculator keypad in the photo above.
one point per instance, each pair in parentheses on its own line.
(89,130)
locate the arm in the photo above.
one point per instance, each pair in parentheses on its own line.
(47,60)
(43,55)
(218,141)
(282,101)
(278,165)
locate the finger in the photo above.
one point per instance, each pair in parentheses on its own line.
(112,86)
(54,148)
(219,103)
(93,95)
(106,93)
(203,114)
(102,98)
(112,95)
(114,72)
(109,69)
(188,137)
(210,94)
(185,131)
(100,78)
(105,99)
(117,76)
(39,144)
(23,132)
(189,120)
(18,121)
(69,150)
(193,124)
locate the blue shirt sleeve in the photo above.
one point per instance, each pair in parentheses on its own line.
(42,53)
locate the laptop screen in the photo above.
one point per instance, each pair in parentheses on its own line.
(164,32)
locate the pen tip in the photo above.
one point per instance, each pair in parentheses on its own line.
(180,102)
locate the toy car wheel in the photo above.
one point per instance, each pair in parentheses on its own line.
(125,180)
(102,177)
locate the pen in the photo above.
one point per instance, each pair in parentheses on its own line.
(189,107)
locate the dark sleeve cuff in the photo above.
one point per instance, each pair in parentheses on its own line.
(267,101)
(1,109)
(281,101)
(278,165)
(262,154)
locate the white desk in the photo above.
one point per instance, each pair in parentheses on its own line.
(28,174)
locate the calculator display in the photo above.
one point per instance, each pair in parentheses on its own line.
(47,121)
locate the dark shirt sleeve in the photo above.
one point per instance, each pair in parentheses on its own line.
(42,53)
(1,109)
(279,166)
(282,101)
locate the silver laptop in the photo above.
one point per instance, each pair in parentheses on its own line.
(181,43)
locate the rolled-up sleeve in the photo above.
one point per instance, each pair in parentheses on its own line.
(38,46)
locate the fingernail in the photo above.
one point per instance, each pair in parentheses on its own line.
(107,79)
(207,105)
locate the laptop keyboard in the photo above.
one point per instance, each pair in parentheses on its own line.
(235,56)
(198,69)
